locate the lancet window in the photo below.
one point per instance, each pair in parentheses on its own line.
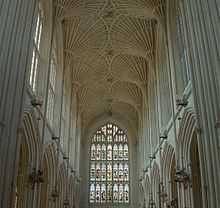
(36,50)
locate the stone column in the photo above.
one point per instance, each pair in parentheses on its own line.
(74,89)
(145,127)
(16,31)
(202,18)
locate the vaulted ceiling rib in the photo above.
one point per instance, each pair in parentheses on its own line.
(108,46)
(130,68)
(134,36)
(84,36)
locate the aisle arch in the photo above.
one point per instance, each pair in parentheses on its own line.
(155,176)
(191,158)
(28,157)
(168,158)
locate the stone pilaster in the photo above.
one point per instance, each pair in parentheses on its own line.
(203,32)
(17,20)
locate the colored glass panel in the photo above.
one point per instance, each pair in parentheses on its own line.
(109,167)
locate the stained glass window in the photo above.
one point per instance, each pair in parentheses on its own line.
(109,166)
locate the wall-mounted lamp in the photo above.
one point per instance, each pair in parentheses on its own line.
(182,102)
(182,176)
(55,138)
(66,203)
(55,194)
(36,177)
(37,101)
(73,171)
(152,157)
(65,158)
(145,170)
(164,135)
(140,179)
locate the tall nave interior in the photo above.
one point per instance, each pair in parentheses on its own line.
(109,104)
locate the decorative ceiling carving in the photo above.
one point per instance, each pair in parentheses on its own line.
(108,46)
(134,36)
(130,68)
(84,36)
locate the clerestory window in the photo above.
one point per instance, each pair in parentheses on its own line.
(51,89)
(181,43)
(36,50)
(109,166)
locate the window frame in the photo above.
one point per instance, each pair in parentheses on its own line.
(35,58)
(106,161)
(182,47)
(51,89)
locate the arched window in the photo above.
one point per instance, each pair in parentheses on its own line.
(109,166)
(36,49)
(51,89)
(182,47)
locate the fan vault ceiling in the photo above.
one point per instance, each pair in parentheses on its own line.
(109,45)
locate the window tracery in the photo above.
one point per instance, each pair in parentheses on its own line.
(109,166)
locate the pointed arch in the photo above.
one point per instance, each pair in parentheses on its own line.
(147,189)
(62,183)
(31,136)
(187,129)
(28,156)
(155,175)
(72,191)
(50,157)
(191,158)
(167,158)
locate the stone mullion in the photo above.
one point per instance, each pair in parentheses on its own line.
(148,135)
(13,70)
(79,136)
(142,140)
(145,120)
(151,115)
(76,143)
(73,128)
(160,86)
(157,127)
(149,119)
(154,109)
(145,130)
(204,87)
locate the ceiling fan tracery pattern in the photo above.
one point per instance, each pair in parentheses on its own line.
(108,45)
